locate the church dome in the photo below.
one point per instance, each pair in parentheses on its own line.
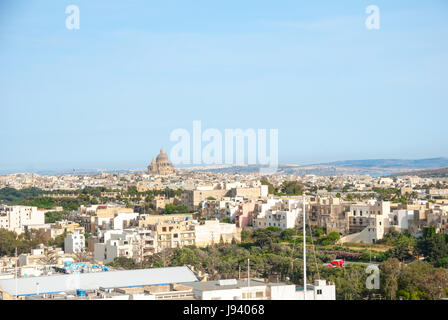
(162,157)
(161,165)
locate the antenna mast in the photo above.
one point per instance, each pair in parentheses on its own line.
(16,273)
(248,273)
(304,249)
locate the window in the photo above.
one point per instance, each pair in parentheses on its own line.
(319,291)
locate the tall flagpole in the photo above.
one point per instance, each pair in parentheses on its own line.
(304,249)
(248,273)
(16,273)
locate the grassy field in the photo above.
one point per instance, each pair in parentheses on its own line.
(361,246)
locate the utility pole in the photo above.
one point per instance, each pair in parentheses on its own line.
(248,273)
(16,273)
(304,249)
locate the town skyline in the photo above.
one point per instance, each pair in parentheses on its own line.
(132,73)
(241,151)
(98,169)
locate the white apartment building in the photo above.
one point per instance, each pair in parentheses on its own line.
(283,219)
(212,231)
(367,221)
(229,207)
(74,242)
(400,220)
(121,220)
(232,289)
(119,245)
(15,218)
(280,213)
(129,243)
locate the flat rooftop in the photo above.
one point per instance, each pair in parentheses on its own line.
(91,281)
(213,285)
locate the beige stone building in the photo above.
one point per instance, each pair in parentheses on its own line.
(212,231)
(161,165)
(145,220)
(173,234)
(328,213)
(193,198)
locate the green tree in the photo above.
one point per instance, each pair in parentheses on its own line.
(245,235)
(390,272)
(264,238)
(403,249)
(271,189)
(291,188)
(53,216)
(287,234)
(124,263)
(432,246)
(333,236)
(318,232)
(429,282)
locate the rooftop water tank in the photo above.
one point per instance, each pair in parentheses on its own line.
(80,292)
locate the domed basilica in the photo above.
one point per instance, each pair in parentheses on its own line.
(161,165)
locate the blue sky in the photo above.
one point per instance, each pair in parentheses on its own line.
(109,94)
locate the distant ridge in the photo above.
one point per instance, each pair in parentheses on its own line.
(373,167)
(430,163)
(434,173)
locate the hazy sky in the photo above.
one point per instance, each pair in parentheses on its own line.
(109,94)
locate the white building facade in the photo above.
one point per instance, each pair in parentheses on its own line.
(74,242)
(15,218)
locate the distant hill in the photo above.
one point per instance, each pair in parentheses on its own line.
(373,167)
(432,163)
(434,173)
